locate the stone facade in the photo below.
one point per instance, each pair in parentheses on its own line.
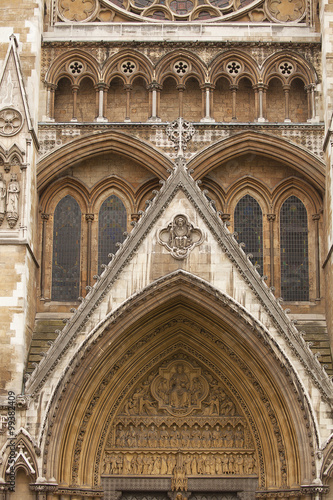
(166,250)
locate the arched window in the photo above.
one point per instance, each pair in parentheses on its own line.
(248,225)
(294,250)
(112,222)
(66,250)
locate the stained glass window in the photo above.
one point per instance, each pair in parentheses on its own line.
(112,222)
(66,250)
(294,250)
(248,225)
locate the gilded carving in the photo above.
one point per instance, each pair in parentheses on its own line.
(180,237)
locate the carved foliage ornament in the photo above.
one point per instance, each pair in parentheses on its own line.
(180,237)
(11,121)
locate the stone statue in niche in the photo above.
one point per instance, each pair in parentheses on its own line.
(12,200)
(180,237)
(3,195)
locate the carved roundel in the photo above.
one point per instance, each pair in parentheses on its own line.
(76,68)
(181,68)
(11,121)
(234,68)
(128,67)
(286,68)
(77,10)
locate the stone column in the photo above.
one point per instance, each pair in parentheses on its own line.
(286,90)
(260,88)
(89,219)
(75,89)
(207,88)
(181,88)
(45,217)
(310,90)
(128,88)
(234,89)
(101,89)
(271,218)
(51,88)
(154,90)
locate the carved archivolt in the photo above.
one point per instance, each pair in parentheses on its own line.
(180,416)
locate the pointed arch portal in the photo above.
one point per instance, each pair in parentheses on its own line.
(179,383)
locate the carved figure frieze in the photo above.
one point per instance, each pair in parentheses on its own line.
(179,465)
(180,237)
(231,433)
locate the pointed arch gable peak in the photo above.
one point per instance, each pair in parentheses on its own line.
(263,144)
(84,147)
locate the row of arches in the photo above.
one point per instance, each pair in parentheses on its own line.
(224,102)
(129,87)
(68,234)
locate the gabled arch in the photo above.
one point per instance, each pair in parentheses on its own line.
(79,149)
(266,145)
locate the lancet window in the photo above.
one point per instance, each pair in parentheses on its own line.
(248,225)
(294,250)
(112,222)
(66,250)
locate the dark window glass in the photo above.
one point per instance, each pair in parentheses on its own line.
(294,250)
(248,225)
(66,250)
(112,222)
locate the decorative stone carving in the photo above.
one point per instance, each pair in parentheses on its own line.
(22,457)
(285,10)
(12,201)
(179,388)
(11,121)
(180,132)
(3,195)
(77,10)
(180,421)
(180,237)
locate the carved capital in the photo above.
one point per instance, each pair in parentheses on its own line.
(45,217)
(316,217)
(271,217)
(90,217)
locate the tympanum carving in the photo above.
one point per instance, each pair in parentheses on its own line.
(181,416)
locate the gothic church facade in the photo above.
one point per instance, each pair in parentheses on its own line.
(166,249)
